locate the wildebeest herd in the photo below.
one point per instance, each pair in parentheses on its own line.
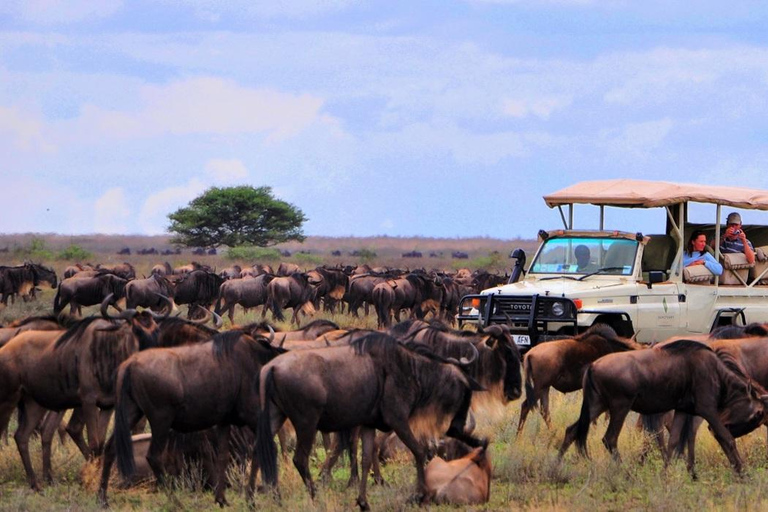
(219,396)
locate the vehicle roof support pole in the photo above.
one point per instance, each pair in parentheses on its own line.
(562,216)
(676,232)
(570,216)
(717,239)
(602,217)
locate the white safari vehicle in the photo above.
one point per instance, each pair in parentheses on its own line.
(634,282)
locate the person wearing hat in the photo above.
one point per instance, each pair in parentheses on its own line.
(734,240)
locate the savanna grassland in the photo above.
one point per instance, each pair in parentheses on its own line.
(527,474)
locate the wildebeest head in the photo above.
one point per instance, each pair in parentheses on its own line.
(505,349)
(745,402)
(44,275)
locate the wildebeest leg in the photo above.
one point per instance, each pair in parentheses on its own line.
(416,448)
(222,458)
(305,438)
(50,425)
(615,424)
(544,407)
(75,428)
(538,396)
(726,441)
(683,431)
(92,416)
(333,450)
(380,438)
(157,447)
(368,437)
(30,414)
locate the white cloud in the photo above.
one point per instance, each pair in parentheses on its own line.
(226,172)
(541,107)
(205,105)
(24,129)
(52,12)
(153,218)
(111,212)
(636,139)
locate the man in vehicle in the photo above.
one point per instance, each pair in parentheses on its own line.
(734,240)
(582,259)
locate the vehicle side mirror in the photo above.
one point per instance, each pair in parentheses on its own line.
(519,269)
(655,276)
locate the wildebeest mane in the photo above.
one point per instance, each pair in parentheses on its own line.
(733,332)
(224,345)
(75,330)
(679,346)
(64,321)
(387,346)
(602,333)
(176,324)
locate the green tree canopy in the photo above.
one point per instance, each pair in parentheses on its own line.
(236,216)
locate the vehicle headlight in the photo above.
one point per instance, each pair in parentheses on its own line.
(558,309)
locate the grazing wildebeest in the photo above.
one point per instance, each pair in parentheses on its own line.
(286,269)
(463,481)
(187,389)
(294,291)
(375,383)
(124,270)
(197,288)
(47,370)
(685,376)
(248,293)
(155,292)
(22,280)
(561,364)
(162,270)
(78,292)
(330,286)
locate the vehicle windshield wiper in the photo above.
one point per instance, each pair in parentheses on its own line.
(599,271)
(559,277)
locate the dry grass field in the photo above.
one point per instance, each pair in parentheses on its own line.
(527,474)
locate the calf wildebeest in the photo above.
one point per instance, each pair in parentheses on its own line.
(463,481)
(47,370)
(154,292)
(685,376)
(22,280)
(187,389)
(561,364)
(294,291)
(197,288)
(376,383)
(78,292)
(248,293)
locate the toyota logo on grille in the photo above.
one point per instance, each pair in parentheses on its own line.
(520,307)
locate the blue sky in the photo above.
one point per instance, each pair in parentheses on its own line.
(401,118)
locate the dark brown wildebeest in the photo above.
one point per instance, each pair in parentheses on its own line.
(286,269)
(22,280)
(294,291)
(162,270)
(360,290)
(418,292)
(158,384)
(463,481)
(78,292)
(248,293)
(47,370)
(330,286)
(561,364)
(155,292)
(124,270)
(233,272)
(197,288)
(375,383)
(685,376)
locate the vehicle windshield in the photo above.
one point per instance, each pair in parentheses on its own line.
(584,255)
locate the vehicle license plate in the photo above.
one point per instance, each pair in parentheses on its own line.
(521,339)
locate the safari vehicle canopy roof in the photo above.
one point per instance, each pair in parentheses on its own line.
(651,194)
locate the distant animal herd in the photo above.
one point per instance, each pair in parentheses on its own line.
(220,396)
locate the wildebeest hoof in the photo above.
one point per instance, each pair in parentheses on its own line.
(363,504)
(222,502)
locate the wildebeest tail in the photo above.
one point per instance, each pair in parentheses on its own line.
(123,443)
(217,309)
(686,435)
(57,306)
(266,451)
(530,400)
(277,311)
(582,428)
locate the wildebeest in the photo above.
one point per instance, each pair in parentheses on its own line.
(463,481)
(286,269)
(162,270)
(376,383)
(360,290)
(685,376)
(294,291)
(188,389)
(330,286)
(22,280)
(233,272)
(33,323)
(256,270)
(124,270)
(248,293)
(78,292)
(561,364)
(74,269)
(155,292)
(191,267)
(197,288)
(417,291)
(47,370)
(311,331)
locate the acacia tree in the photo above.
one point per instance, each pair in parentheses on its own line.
(235,216)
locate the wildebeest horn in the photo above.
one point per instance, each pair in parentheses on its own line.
(217,320)
(203,320)
(272,336)
(165,315)
(105,306)
(325,338)
(464,361)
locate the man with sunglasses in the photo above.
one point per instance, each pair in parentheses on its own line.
(734,240)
